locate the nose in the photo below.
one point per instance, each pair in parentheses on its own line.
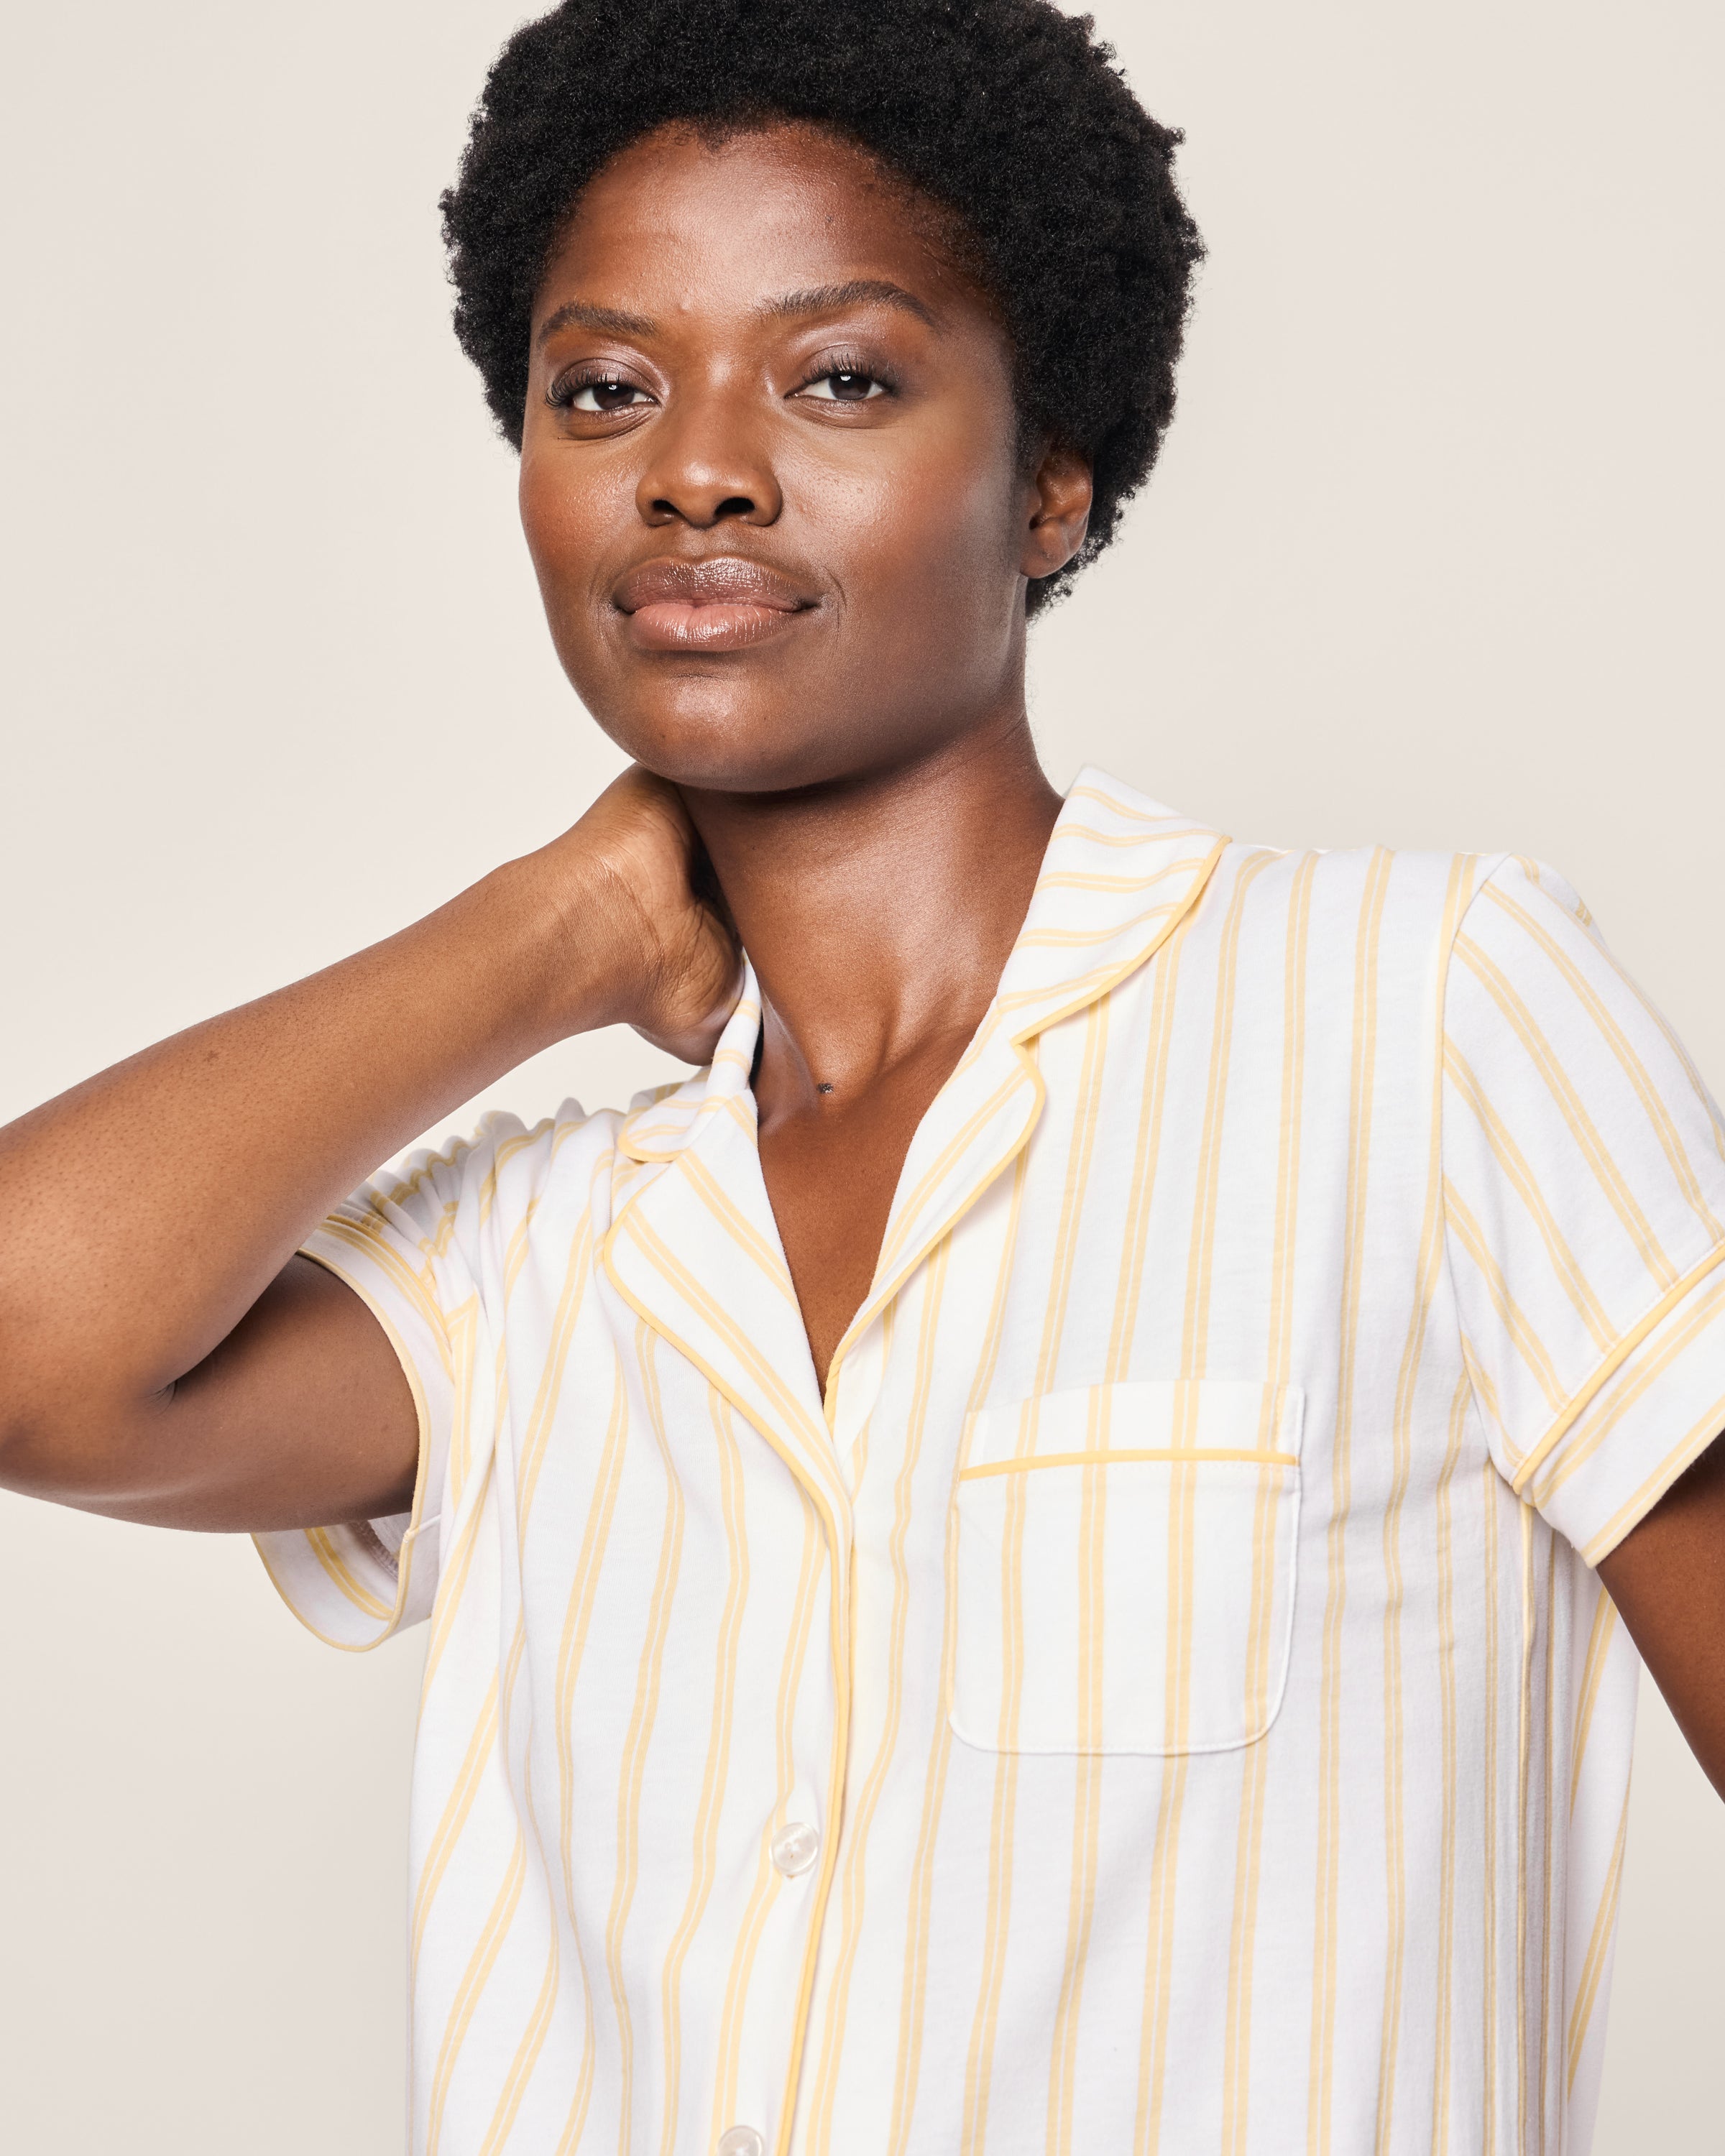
(709,462)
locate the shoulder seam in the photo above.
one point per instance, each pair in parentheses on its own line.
(1492,862)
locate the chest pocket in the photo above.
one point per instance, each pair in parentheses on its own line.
(1124,1563)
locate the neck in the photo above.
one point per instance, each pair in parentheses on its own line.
(878,912)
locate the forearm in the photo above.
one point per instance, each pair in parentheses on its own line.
(144,1212)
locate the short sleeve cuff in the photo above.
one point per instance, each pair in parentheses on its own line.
(1649,1409)
(355,1585)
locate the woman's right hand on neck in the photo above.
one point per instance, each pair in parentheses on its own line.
(635,856)
(164,1354)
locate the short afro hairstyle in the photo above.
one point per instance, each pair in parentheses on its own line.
(1007,113)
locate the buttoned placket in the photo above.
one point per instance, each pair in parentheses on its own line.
(853,1387)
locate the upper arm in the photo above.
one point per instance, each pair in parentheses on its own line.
(330,1401)
(302,1416)
(1667,1578)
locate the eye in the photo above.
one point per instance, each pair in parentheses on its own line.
(596,392)
(844,385)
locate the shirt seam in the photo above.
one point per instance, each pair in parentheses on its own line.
(1616,1359)
(1633,1336)
(1439,1048)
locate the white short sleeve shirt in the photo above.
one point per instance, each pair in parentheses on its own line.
(1158,1699)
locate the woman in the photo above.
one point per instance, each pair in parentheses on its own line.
(1010,1565)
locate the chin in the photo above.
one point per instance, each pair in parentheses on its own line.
(719,761)
(718,743)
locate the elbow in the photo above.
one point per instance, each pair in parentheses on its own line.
(60,1439)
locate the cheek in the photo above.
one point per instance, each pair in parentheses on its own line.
(565,523)
(936,518)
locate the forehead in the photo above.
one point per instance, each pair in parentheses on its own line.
(712,218)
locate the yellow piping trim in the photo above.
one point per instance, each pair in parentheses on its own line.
(1112,802)
(1610,1366)
(404,1556)
(1186,1454)
(1126,837)
(1100,983)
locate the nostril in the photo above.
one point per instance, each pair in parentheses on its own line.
(697,513)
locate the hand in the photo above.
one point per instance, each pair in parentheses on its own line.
(678,966)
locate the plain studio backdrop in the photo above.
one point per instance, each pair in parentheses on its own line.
(1432,558)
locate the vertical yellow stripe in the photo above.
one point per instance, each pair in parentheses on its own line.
(718,1753)
(1442,2037)
(1428,1271)
(1183,1555)
(1593,1670)
(914,1988)
(526,2056)
(1237,2038)
(543,1412)
(1325,1958)
(1524,1739)
(633,1767)
(1549,1997)
(832,2050)
(1492,1491)
(768,1882)
(1165,982)
(1079,1152)
(1088,1794)
(454,1817)
(475,1977)
(1063,2075)
(571,1648)
(1598,1949)
(457,1559)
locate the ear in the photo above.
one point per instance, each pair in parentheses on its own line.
(1060,494)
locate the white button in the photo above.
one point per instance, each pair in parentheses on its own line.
(794,1849)
(741,2141)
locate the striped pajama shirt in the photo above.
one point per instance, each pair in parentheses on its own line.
(1159,1698)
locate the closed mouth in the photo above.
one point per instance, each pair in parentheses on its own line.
(724,603)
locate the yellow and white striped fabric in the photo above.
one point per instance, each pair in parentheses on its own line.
(1158,1700)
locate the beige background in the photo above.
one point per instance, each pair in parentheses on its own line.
(1430,559)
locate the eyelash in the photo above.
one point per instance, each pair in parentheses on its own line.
(563,391)
(568,387)
(851,363)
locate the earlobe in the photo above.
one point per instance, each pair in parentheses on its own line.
(1060,512)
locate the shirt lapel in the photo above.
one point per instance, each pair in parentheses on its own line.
(1120,873)
(695,1250)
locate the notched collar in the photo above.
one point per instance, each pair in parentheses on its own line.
(694,1246)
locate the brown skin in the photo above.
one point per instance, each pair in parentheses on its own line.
(864,783)
(1667,1578)
(861,780)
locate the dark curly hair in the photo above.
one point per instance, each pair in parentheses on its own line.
(1007,113)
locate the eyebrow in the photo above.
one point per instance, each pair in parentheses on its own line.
(818,300)
(826,299)
(580,314)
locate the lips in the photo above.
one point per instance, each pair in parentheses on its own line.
(726,603)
